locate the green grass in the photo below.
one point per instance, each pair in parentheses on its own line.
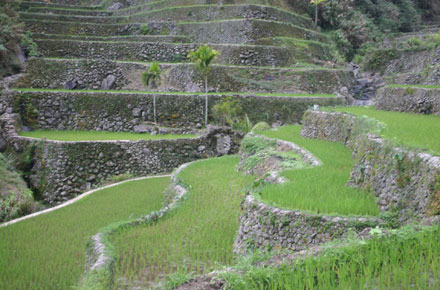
(414,86)
(403,260)
(319,189)
(413,130)
(48,251)
(98,135)
(293,95)
(195,236)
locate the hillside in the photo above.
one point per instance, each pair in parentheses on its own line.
(183,144)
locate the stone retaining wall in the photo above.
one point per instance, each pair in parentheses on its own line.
(178,14)
(244,31)
(89,74)
(62,170)
(97,29)
(299,7)
(266,227)
(125,111)
(164,52)
(409,99)
(405,181)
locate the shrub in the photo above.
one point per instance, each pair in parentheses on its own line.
(144,29)
(261,126)
(228,111)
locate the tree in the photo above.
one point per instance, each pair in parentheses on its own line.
(202,58)
(153,76)
(316,3)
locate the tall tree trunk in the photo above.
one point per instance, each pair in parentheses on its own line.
(154,85)
(154,110)
(206,101)
(316,14)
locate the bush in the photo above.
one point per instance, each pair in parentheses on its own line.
(16,199)
(261,126)
(227,112)
(360,21)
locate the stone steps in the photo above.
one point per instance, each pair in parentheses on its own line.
(134,38)
(32,4)
(225,31)
(88,110)
(64,11)
(231,54)
(178,14)
(244,31)
(96,29)
(297,6)
(90,74)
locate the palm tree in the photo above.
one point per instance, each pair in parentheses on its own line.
(202,58)
(153,76)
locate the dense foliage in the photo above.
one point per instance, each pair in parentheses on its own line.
(13,39)
(15,198)
(360,21)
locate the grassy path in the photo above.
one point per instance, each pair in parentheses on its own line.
(48,251)
(319,189)
(194,237)
(414,130)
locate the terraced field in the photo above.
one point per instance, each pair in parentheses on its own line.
(48,251)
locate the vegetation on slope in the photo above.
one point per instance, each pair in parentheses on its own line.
(15,198)
(401,259)
(413,130)
(193,238)
(98,135)
(320,189)
(355,23)
(13,39)
(48,251)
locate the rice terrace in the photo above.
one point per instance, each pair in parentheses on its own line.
(210,144)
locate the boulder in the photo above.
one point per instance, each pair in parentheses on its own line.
(108,82)
(116,6)
(71,85)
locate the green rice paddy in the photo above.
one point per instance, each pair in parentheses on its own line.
(401,260)
(320,189)
(195,237)
(48,251)
(413,130)
(98,135)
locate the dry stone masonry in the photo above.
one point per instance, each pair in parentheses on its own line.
(62,170)
(404,180)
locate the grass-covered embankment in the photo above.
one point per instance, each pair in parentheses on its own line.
(292,95)
(194,237)
(48,251)
(413,130)
(319,189)
(98,135)
(401,260)
(15,198)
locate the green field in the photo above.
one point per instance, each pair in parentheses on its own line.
(98,135)
(319,189)
(48,251)
(194,237)
(413,130)
(403,260)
